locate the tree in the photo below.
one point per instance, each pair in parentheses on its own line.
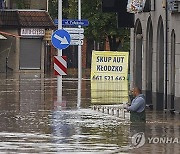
(20,4)
(53,8)
(101,25)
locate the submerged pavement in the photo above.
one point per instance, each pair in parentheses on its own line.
(32,121)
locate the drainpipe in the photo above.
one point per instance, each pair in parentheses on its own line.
(166,56)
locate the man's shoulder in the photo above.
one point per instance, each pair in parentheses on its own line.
(140,98)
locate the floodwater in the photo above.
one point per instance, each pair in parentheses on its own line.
(33,121)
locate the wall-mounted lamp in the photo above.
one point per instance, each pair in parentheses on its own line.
(164,3)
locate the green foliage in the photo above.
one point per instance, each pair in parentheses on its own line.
(53,8)
(101,25)
(20,4)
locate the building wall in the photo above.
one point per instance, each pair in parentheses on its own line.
(8,51)
(29,4)
(157,89)
(174,24)
(39,4)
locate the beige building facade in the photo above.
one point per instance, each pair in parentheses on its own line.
(24,47)
(155,54)
(28,4)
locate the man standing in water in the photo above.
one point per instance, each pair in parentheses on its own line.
(137,107)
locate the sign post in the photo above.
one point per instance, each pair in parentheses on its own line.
(61,40)
(79,46)
(59,78)
(79,60)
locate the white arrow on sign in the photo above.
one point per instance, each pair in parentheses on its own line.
(63,40)
(76,36)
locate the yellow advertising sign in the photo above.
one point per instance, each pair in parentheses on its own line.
(109,74)
(109,66)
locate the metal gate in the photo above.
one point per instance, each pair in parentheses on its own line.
(30,54)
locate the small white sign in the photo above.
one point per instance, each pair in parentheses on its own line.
(32,32)
(76,42)
(76,36)
(74,30)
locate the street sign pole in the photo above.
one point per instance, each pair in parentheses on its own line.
(79,46)
(79,60)
(59,78)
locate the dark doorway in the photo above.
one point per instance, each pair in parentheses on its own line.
(148,70)
(30,54)
(172,74)
(160,66)
(138,54)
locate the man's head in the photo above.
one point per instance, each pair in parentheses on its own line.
(136,91)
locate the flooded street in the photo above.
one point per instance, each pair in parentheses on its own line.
(32,121)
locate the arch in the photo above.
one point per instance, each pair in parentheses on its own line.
(138,54)
(172,74)
(148,67)
(160,65)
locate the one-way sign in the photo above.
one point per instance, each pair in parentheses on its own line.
(61,39)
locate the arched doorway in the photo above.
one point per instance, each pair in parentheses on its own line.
(172,74)
(149,52)
(138,54)
(160,66)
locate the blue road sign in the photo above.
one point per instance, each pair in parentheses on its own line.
(73,22)
(61,39)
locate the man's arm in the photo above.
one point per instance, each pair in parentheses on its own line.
(135,106)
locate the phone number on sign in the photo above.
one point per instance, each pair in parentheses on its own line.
(116,78)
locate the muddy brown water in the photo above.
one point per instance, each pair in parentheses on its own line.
(32,121)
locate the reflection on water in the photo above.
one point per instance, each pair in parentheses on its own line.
(109,92)
(88,131)
(32,121)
